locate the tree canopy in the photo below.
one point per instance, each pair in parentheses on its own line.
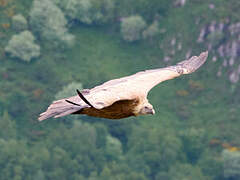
(22,46)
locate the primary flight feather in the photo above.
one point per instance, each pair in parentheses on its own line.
(124,97)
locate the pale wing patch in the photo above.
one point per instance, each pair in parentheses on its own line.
(138,85)
(150,78)
(108,95)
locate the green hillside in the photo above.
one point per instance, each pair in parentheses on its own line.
(48,48)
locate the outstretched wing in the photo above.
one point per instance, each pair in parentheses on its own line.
(150,78)
(139,84)
(131,87)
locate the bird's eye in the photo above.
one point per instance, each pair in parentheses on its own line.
(146,108)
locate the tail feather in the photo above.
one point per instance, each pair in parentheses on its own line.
(60,108)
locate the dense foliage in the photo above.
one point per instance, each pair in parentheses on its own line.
(19,22)
(23,47)
(49,23)
(75,44)
(132,28)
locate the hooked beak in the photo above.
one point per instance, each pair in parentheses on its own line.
(153,112)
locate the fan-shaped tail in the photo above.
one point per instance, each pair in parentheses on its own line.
(60,108)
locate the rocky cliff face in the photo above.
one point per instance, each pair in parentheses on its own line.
(223,41)
(220,37)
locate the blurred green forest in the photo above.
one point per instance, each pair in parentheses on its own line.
(48,48)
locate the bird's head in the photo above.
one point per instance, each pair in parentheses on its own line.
(146,108)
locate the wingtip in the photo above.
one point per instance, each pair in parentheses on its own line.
(195,62)
(203,56)
(201,59)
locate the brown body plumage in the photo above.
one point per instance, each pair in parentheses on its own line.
(124,97)
(118,110)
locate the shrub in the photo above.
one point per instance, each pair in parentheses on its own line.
(22,46)
(132,28)
(49,23)
(151,31)
(104,10)
(88,11)
(79,10)
(113,147)
(19,23)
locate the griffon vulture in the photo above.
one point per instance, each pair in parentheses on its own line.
(124,97)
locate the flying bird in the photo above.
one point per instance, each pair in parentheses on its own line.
(123,97)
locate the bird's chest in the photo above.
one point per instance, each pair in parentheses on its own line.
(118,110)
